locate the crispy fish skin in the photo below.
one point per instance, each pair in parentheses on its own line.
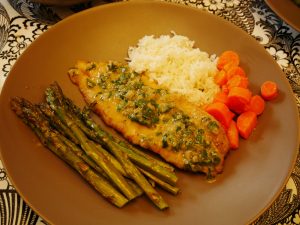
(151,117)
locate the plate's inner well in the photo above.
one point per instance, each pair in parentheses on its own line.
(253,175)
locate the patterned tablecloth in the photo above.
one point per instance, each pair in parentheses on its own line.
(22,21)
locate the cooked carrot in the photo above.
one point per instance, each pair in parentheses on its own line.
(269,90)
(228,57)
(233,135)
(221,97)
(225,88)
(220,112)
(246,122)
(257,104)
(235,70)
(220,78)
(238,99)
(228,66)
(238,81)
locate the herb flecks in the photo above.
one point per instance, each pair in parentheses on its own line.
(153,107)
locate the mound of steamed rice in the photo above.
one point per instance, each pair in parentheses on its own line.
(174,62)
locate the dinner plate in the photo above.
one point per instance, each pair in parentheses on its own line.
(286,10)
(253,175)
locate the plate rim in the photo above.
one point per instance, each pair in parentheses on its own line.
(273,4)
(113,4)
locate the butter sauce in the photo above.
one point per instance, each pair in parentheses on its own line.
(142,101)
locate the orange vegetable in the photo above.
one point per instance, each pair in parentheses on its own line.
(228,66)
(225,88)
(228,57)
(257,104)
(233,135)
(220,112)
(221,97)
(238,81)
(238,99)
(220,78)
(269,90)
(235,70)
(246,122)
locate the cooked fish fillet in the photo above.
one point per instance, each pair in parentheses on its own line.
(148,115)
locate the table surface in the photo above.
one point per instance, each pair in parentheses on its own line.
(22,21)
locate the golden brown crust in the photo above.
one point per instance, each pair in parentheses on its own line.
(143,135)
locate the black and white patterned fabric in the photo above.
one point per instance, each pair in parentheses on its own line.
(22,21)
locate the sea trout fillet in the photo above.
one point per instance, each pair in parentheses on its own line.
(151,117)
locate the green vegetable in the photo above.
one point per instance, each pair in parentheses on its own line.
(50,139)
(53,97)
(111,165)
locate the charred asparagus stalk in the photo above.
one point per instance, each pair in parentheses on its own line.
(92,164)
(166,175)
(172,189)
(55,101)
(111,158)
(145,155)
(35,120)
(88,121)
(145,161)
(136,175)
(65,130)
(56,123)
(62,128)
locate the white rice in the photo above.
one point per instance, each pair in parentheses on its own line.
(174,62)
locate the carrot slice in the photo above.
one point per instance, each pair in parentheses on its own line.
(221,97)
(238,99)
(257,104)
(220,78)
(220,112)
(228,57)
(246,122)
(233,135)
(238,81)
(225,88)
(269,90)
(228,66)
(235,70)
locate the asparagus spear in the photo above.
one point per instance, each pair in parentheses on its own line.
(99,135)
(82,155)
(147,156)
(132,171)
(149,166)
(84,116)
(136,175)
(123,158)
(173,190)
(109,157)
(55,101)
(92,164)
(62,128)
(54,120)
(33,118)
(56,123)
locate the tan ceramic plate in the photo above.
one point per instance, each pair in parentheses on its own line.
(287,10)
(253,176)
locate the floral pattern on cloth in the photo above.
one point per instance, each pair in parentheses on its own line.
(22,21)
